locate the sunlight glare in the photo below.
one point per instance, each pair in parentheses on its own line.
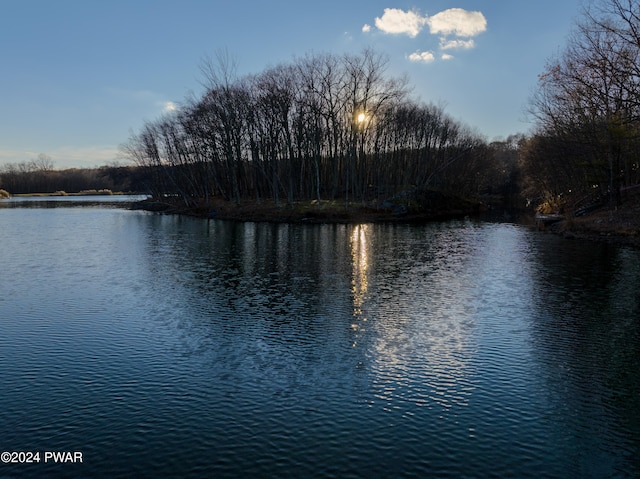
(360,256)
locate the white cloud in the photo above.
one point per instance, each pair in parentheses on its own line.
(396,21)
(453,21)
(422,57)
(455,26)
(456,44)
(458,22)
(169,106)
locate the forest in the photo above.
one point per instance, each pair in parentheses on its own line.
(324,127)
(338,128)
(39,175)
(585,149)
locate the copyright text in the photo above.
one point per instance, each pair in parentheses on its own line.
(36,457)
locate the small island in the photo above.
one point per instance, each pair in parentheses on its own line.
(421,207)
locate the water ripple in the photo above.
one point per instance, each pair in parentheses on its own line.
(218,349)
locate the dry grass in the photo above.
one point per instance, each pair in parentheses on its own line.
(55,193)
(92,192)
(103,192)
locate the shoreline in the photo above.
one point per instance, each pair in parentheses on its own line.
(311,212)
(619,227)
(622,228)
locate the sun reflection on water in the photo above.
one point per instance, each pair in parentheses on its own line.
(421,320)
(359,280)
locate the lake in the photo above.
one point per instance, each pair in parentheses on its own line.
(167,346)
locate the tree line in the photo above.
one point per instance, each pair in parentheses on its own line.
(337,127)
(586,145)
(321,127)
(40,176)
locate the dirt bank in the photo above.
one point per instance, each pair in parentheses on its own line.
(618,226)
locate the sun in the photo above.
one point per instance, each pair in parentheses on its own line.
(361,118)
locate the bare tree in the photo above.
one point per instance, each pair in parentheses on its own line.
(324,126)
(588,101)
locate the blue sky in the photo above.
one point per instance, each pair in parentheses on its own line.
(77,76)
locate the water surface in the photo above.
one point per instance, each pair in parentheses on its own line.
(170,346)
